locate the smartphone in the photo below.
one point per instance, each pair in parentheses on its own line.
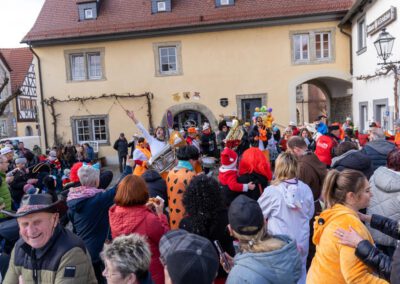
(222,254)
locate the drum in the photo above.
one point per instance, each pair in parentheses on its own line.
(208,162)
(164,160)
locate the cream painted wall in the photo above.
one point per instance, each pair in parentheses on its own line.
(217,64)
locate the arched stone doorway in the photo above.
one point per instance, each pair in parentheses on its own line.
(195,110)
(331,95)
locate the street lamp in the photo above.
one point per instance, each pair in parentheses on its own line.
(384,46)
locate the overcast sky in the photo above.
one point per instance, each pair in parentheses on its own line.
(16,19)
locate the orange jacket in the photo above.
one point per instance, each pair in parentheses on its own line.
(334,263)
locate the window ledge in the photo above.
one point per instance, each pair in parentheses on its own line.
(158,74)
(86,80)
(361,51)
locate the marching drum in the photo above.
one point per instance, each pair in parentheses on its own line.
(164,160)
(208,162)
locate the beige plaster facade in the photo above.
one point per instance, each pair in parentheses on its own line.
(223,64)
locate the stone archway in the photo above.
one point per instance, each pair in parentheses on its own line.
(175,109)
(336,85)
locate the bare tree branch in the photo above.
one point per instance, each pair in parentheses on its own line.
(5,83)
(6,101)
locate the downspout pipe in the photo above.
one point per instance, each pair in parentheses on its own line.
(351,47)
(41,97)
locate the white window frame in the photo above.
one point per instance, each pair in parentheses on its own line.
(88,13)
(167,57)
(361,35)
(312,46)
(321,34)
(224,2)
(161,6)
(158,58)
(88,72)
(301,37)
(91,136)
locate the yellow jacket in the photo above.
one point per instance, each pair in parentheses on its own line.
(334,263)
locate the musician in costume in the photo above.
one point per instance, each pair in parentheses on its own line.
(156,142)
(141,156)
(192,138)
(177,180)
(259,134)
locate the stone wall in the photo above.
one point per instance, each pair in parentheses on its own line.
(340,109)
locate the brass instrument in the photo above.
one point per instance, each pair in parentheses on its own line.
(164,160)
(234,136)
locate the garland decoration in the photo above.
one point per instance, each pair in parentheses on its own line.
(50,102)
(385,72)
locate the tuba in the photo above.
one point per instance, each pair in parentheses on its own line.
(234,136)
(165,159)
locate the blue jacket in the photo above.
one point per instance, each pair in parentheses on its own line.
(322,128)
(281,266)
(89,218)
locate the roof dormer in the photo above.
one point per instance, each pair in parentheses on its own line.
(160,6)
(222,3)
(88,9)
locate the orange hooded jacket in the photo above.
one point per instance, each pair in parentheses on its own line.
(334,263)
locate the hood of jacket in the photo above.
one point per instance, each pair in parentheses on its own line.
(327,216)
(151,176)
(386,180)
(279,266)
(353,159)
(381,146)
(125,220)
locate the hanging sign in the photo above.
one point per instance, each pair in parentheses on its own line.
(381,22)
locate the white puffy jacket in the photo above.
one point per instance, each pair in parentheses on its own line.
(385,187)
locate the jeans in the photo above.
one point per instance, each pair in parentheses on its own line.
(122,163)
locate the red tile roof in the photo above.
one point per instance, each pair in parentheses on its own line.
(59,19)
(19,59)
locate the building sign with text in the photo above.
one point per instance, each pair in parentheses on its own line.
(382,21)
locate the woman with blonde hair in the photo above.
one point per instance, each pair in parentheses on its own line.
(344,193)
(288,206)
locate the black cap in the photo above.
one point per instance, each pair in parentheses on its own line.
(245,216)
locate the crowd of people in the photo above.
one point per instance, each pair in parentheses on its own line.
(313,205)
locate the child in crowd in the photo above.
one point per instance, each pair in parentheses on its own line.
(228,172)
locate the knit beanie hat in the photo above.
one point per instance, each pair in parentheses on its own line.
(228,157)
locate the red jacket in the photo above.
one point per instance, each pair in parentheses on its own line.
(142,221)
(324,149)
(229,177)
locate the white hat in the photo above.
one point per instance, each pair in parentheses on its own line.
(5,150)
(292,123)
(206,126)
(348,118)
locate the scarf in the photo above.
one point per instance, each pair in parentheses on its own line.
(83,192)
(145,151)
(185,165)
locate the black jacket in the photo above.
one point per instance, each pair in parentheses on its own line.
(121,145)
(255,133)
(377,151)
(155,184)
(355,160)
(260,181)
(208,144)
(372,256)
(217,231)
